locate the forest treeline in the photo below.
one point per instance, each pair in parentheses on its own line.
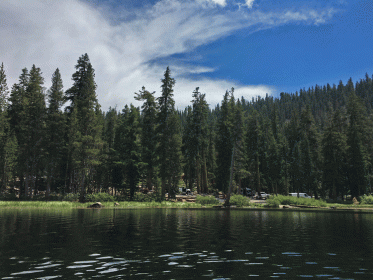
(317,140)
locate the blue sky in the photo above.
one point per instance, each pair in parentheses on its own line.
(255,46)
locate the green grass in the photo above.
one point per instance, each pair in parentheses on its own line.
(77,205)
(39,204)
(274,201)
(350,206)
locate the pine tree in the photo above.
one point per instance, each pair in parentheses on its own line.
(120,150)
(4,129)
(334,149)
(9,158)
(148,134)
(55,130)
(253,150)
(285,164)
(3,89)
(72,135)
(274,163)
(359,133)
(294,138)
(109,158)
(88,144)
(17,120)
(169,138)
(274,152)
(199,139)
(188,149)
(237,160)
(211,154)
(131,152)
(224,145)
(31,129)
(310,152)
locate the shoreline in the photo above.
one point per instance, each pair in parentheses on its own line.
(178,205)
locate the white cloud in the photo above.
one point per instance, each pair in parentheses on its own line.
(220,2)
(184,89)
(53,34)
(249,3)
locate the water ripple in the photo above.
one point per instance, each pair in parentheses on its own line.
(160,243)
(27,272)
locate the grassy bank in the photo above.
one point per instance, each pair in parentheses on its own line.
(201,201)
(366,202)
(108,201)
(109,205)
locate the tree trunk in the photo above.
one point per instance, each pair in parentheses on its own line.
(27,179)
(3,181)
(149,178)
(163,189)
(82,188)
(230,179)
(198,175)
(49,179)
(334,190)
(258,175)
(204,174)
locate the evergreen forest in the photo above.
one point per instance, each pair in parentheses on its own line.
(316,140)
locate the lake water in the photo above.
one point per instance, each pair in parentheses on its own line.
(185,244)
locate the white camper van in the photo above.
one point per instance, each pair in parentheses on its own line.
(300,195)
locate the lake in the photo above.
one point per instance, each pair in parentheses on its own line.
(185,244)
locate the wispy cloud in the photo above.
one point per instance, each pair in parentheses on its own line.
(219,2)
(128,53)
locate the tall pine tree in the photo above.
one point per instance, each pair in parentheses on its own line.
(169,138)
(199,139)
(148,134)
(55,130)
(224,145)
(7,140)
(87,144)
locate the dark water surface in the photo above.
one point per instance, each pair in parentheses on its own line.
(185,244)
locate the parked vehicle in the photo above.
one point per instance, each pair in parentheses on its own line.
(246,191)
(185,191)
(300,195)
(263,195)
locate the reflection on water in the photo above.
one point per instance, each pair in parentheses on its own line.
(184,244)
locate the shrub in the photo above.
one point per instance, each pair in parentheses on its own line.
(291,200)
(71,197)
(140,197)
(151,197)
(366,199)
(8,197)
(55,197)
(52,197)
(38,197)
(206,200)
(121,198)
(239,200)
(101,197)
(273,201)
